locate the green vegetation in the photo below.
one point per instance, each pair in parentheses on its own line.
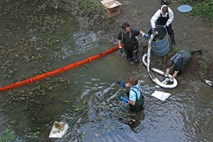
(204,67)
(86,6)
(7,136)
(93,4)
(203,8)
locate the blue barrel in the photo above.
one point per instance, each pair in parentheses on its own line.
(161,44)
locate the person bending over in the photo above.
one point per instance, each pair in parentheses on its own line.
(177,62)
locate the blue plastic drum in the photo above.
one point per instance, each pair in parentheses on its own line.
(161,44)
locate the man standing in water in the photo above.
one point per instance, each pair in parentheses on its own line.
(135,97)
(164,17)
(128,37)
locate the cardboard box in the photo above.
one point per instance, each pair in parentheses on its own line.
(111,7)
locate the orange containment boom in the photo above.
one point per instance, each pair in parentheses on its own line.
(59,70)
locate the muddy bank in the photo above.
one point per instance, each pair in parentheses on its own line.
(190,32)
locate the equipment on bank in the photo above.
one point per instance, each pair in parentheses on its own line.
(111,7)
(184,8)
(146,62)
(161,44)
(208,82)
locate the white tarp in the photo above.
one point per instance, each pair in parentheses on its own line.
(58,129)
(161,95)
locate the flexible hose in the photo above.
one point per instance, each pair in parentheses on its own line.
(146,62)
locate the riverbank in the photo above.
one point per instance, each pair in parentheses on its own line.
(190,31)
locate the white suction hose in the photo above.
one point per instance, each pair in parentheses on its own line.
(146,62)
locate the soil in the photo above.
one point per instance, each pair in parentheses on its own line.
(190,32)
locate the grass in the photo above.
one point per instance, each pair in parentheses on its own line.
(7,136)
(202,8)
(204,67)
(82,5)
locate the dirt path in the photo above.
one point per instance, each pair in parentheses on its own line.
(190,32)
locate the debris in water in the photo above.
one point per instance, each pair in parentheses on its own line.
(208,82)
(58,129)
(161,95)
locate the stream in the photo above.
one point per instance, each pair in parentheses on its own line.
(34,40)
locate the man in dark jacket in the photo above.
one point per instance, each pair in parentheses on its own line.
(177,62)
(128,37)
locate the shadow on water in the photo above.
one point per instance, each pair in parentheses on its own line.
(86,97)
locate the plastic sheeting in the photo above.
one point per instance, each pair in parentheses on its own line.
(161,95)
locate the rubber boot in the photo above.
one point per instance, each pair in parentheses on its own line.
(135,56)
(173,39)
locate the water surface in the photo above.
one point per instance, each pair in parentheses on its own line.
(34,41)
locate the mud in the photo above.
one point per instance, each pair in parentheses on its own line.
(190,32)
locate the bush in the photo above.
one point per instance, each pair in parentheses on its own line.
(202,8)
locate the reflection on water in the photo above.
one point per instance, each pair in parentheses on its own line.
(86,97)
(78,43)
(114,131)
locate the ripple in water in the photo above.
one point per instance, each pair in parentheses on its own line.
(78,43)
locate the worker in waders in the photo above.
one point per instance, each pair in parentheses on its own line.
(164,17)
(177,62)
(135,97)
(127,36)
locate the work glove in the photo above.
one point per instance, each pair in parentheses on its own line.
(123,99)
(153,30)
(146,35)
(122,84)
(169,81)
(165,76)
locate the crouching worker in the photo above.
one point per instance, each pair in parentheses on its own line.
(177,62)
(135,97)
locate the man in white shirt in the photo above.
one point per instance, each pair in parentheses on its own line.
(164,17)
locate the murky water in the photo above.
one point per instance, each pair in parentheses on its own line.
(33,41)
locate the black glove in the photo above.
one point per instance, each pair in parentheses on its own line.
(153,30)
(165,76)
(146,35)
(169,81)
